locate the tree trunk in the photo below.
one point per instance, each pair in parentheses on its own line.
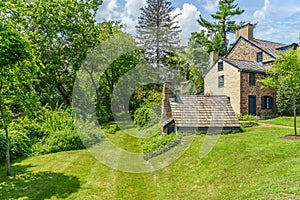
(4,121)
(295,116)
(65,94)
(8,173)
(224,37)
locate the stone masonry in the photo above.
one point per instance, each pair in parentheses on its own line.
(256,90)
(247,52)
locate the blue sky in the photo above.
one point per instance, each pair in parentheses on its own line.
(277,20)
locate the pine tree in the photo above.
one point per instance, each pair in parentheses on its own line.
(158,31)
(214,38)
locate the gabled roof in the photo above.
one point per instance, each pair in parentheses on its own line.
(246,66)
(203,112)
(267,46)
(270,48)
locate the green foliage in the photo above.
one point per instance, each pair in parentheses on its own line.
(18,72)
(113,128)
(149,113)
(243,117)
(215,38)
(51,131)
(159,144)
(2,147)
(109,80)
(19,142)
(249,124)
(284,105)
(62,34)
(284,75)
(59,133)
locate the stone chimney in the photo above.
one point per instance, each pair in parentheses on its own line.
(168,93)
(246,31)
(214,56)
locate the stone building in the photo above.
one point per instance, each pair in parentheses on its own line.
(237,74)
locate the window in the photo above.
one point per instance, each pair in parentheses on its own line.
(252,79)
(259,57)
(266,102)
(221,81)
(220,66)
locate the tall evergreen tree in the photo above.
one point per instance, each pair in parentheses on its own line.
(214,37)
(158,31)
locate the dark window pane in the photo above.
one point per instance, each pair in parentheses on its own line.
(263,102)
(252,79)
(259,57)
(221,81)
(220,66)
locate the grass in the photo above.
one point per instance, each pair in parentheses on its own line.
(283,121)
(255,164)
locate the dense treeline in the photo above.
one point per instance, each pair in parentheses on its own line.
(43,45)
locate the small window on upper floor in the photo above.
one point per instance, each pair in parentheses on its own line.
(220,66)
(221,81)
(252,79)
(259,57)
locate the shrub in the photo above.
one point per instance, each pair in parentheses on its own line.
(159,144)
(249,124)
(59,133)
(147,115)
(242,117)
(19,143)
(149,112)
(113,128)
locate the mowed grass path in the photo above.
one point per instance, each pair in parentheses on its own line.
(255,164)
(283,121)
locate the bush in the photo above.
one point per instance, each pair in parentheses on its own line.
(242,117)
(51,131)
(59,133)
(149,113)
(19,143)
(159,144)
(113,128)
(249,124)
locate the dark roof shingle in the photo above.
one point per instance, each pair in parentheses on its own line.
(247,66)
(267,46)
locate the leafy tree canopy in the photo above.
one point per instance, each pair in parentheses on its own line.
(62,33)
(284,75)
(17,76)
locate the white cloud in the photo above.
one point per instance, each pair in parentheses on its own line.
(210,5)
(131,13)
(132,7)
(187,21)
(261,14)
(108,10)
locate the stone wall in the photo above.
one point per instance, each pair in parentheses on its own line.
(168,92)
(256,90)
(247,52)
(231,84)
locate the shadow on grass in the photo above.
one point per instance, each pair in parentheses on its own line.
(25,184)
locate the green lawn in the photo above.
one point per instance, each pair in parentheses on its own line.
(255,164)
(283,121)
